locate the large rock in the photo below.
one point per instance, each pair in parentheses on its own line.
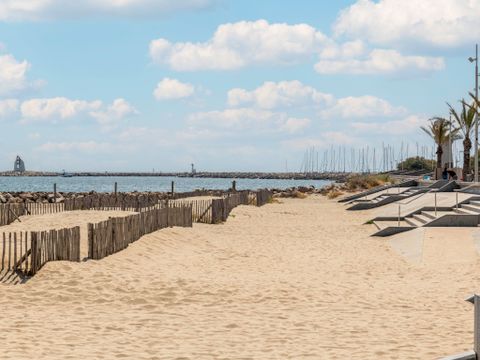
(304,189)
(26,196)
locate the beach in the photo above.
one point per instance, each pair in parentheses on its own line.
(296,279)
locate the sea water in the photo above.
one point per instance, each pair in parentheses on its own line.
(142,183)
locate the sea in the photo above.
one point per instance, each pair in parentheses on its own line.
(142,183)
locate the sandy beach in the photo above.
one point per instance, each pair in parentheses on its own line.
(300,279)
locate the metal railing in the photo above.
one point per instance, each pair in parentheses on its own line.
(416,197)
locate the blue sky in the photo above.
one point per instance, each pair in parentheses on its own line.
(137,85)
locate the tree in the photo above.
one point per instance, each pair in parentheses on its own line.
(439,130)
(416,163)
(465,121)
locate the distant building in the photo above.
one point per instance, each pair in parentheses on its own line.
(19,165)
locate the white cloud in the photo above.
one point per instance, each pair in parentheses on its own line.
(272,95)
(362,106)
(118,110)
(8,107)
(168,89)
(244,43)
(54,109)
(61,9)
(235,45)
(13,75)
(84,147)
(60,108)
(435,23)
(407,125)
(350,49)
(380,61)
(296,95)
(246,119)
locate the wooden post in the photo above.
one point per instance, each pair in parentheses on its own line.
(55,192)
(173,187)
(115,189)
(234,185)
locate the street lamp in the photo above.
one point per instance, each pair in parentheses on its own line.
(475,59)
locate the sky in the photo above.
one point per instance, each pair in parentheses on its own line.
(229,85)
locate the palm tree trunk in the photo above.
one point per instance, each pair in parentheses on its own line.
(439,156)
(467,146)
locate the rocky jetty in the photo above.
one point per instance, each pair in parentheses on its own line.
(339,177)
(49,197)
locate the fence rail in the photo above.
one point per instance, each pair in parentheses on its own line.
(118,201)
(27,252)
(113,235)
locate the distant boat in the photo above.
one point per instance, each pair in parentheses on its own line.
(65,174)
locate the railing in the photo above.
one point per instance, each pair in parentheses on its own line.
(416,197)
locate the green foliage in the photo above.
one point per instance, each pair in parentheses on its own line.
(439,130)
(416,163)
(362,182)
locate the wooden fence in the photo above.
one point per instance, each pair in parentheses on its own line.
(26,252)
(53,245)
(41,208)
(113,235)
(214,211)
(221,208)
(263,196)
(201,209)
(118,201)
(9,212)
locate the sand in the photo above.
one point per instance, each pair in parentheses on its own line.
(297,280)
(66,219)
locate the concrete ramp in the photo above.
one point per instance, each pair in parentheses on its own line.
(409,245)
(434,246)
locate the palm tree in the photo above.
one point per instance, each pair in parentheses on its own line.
(439,130)
(465,121)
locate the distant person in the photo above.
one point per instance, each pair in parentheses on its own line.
(452,175)
(445,173)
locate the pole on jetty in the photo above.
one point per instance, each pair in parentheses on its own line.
(173,187)
(55,192)
(115,188)
(234,185)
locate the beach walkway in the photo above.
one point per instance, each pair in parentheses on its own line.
(297,280)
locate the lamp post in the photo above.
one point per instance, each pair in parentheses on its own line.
(450,165)
(476,115)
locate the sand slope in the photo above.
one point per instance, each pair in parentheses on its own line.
(298,280)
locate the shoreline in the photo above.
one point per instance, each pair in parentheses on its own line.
(340,176)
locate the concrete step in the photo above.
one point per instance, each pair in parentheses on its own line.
(422,218)
(413,222)
(386,224)
(431,214)
(465,211)
(472,207)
